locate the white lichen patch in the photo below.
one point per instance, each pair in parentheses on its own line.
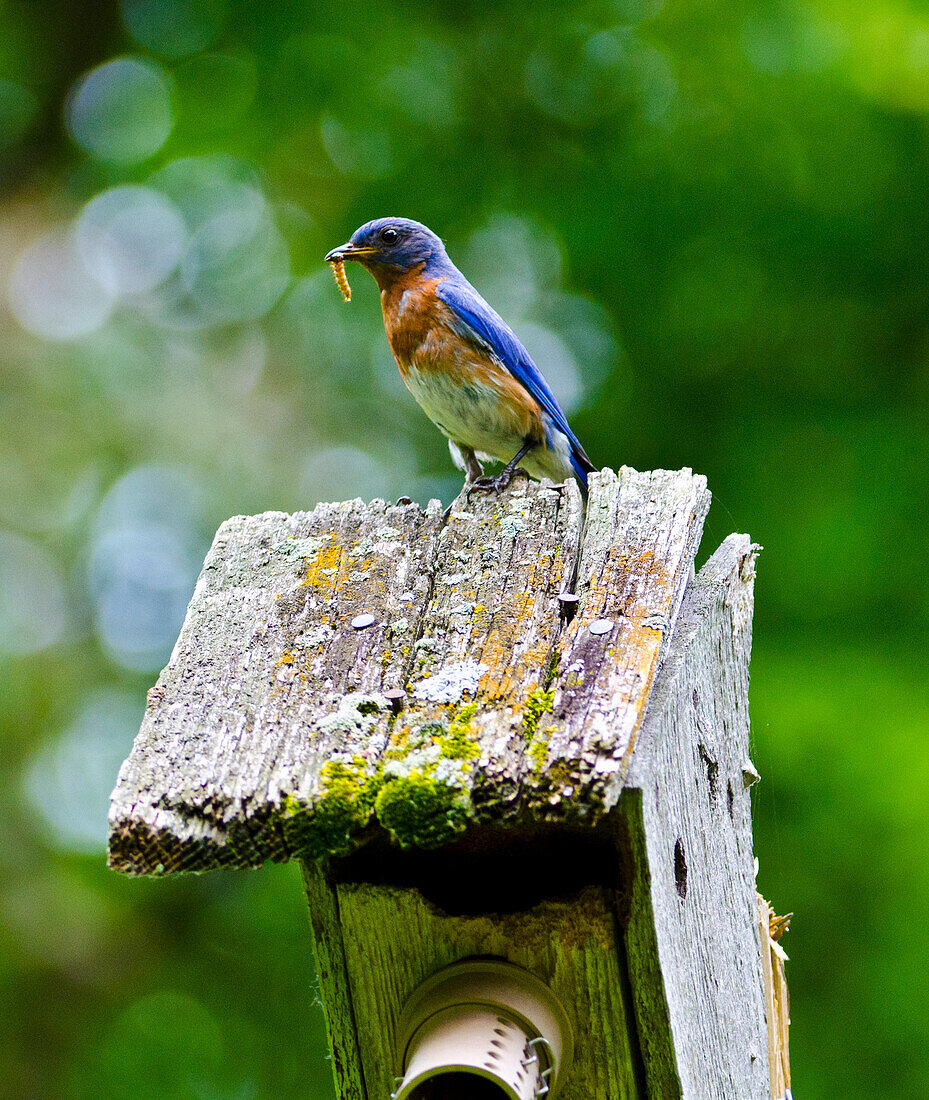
(300,548)
(357,713)
(385,540)
(463,608)
(511,525)
(455,578)
(426,643)
(419,760)
(398,626)
(318,635)
(448,685)
(455,773)
(356,576)
(429,761)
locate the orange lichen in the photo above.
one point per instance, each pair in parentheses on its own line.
(338,272)
(323,569)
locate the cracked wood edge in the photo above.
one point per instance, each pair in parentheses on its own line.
(685,816)
(268,735)
(640,539)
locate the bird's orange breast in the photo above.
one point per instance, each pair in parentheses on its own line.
(412,313)
(425,345)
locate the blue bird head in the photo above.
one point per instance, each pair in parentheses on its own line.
(389,247)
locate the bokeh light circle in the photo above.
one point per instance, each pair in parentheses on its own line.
(237,264)
(70,780)
(121,111)
(33,609)
(144,560)
(52,293)
(131,238)
(174,28)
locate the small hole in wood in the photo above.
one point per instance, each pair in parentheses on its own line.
(712,772)
(496,1043)
(680,869)
(499,1030)
(730,800)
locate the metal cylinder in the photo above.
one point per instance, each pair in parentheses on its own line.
(482,1030)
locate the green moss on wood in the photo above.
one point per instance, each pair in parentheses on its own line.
(419,809)
(458,745)
(538,702)
(341,811)
(418,792)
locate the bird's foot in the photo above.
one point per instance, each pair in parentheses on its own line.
(495,484)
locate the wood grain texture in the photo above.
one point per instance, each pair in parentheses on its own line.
(394,939)
(692,931)
(268,735)
(334,989)
(640,539)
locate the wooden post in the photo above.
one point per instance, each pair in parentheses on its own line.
(466,769)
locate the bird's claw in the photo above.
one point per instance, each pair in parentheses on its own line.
(495,484)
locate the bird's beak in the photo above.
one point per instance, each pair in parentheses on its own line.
(348,251)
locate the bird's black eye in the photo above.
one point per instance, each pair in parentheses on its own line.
(389,236)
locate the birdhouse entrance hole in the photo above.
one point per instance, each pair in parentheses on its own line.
(458,1086)
(485,1025)
(493,870)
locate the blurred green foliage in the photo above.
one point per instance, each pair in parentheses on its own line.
(708,222)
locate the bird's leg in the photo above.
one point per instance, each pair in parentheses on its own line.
(463,454)
(502,480)
(473,468)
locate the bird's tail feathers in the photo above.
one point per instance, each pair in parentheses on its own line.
(582,466)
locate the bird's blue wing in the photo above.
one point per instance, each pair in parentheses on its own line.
(485,326)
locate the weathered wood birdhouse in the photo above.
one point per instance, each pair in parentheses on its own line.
(524,820)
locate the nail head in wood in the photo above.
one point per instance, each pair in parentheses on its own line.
(395,698)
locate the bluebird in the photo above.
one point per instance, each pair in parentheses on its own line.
(461,361)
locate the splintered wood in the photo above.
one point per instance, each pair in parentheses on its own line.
(338,272)
(777,998)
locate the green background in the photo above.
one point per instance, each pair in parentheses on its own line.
(709,223)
